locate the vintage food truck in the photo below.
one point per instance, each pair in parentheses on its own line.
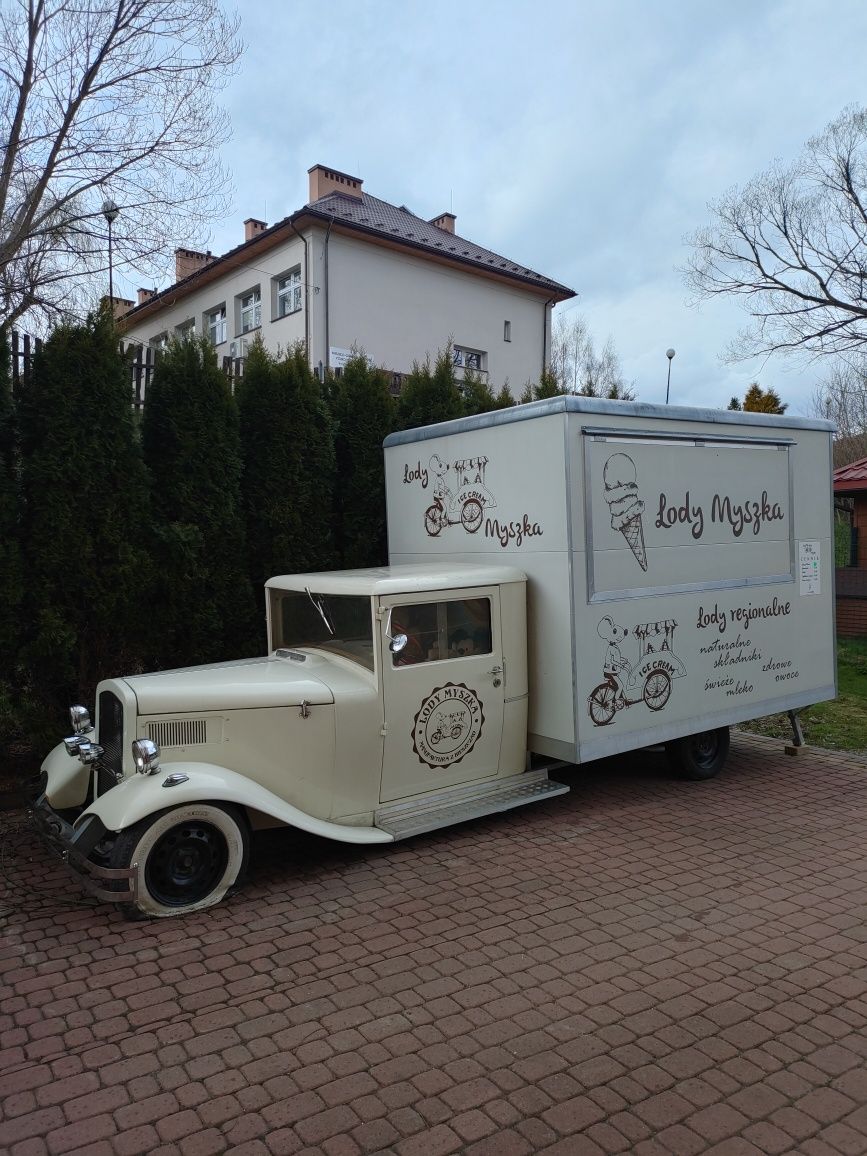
(569,579)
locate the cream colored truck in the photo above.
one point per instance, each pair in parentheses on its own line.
(391,701)
(573,578)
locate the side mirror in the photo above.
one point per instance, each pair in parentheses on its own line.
(397,642)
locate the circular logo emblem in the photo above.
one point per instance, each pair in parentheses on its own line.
(448,725)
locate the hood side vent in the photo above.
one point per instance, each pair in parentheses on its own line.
(191,732)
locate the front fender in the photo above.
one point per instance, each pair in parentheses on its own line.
(142,795)
(68,778)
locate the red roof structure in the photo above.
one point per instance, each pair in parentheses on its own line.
(848,479)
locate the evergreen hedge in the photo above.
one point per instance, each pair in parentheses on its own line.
(84,519)
(127,546)
(202,607)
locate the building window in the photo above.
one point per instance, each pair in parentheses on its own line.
(507,331)
(473,359)
(251,310)
(160,342)
(186,330)
(215,322)
(289,292)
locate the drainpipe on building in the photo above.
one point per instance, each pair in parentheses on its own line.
(306,291)
(545,332)
(327,334)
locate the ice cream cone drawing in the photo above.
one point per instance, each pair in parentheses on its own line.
(621,494)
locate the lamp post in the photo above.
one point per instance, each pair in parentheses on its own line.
(110,212)
(669,353)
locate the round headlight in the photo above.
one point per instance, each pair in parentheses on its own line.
(146,756)
(79,716)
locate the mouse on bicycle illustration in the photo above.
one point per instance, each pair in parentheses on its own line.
(648,680)
(466,503)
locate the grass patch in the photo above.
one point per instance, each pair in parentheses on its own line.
(840,725)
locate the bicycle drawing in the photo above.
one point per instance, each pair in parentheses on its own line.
(648,680)
(465,504)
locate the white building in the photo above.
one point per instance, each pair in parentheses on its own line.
(351,271)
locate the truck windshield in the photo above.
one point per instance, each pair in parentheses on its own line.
(300,619)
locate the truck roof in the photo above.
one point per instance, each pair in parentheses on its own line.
(574,403)
(408,579)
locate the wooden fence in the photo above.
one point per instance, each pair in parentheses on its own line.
(22,348)
(141,359)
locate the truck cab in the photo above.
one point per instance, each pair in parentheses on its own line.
(391,701)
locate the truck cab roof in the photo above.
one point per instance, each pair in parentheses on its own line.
(385,580)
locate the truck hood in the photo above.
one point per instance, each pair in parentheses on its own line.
(251,683)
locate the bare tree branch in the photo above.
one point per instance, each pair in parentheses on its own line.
(579,369)
(793,245)
(106,98)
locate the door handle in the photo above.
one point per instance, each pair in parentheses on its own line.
(496,672)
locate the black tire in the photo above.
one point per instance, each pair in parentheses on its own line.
(187,858)
(700,756)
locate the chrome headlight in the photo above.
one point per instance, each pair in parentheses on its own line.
(146,756)
(80,718)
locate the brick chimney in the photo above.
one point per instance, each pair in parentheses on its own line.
(324,181)
(119,305)
(445,221)
(252,228)
(188,261)
(145,295)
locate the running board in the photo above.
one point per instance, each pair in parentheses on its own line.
(438,809)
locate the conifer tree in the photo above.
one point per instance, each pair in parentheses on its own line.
(85,516)
(430,396)
(203,603)
(477,394)
(504,399)
(364,414)
(11,573)
(288,479)
(548,385)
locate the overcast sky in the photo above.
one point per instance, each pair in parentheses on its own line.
(582,139)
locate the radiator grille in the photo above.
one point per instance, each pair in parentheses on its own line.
(110,739)
(188,732)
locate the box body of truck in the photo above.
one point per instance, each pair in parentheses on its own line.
(679,561)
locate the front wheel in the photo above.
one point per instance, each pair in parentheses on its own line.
(657,689)
(700,756)
(186,859)
(471,515)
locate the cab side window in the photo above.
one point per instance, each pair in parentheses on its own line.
(441,630)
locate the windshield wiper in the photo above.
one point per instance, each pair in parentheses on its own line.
(317,602)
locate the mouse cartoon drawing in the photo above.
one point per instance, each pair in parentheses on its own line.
(647,680)
(614,662)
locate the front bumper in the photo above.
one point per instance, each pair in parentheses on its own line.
(74,845)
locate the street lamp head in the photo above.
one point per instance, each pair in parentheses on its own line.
(669,353)
(109,210)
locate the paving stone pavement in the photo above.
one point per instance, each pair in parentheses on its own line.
(643,965)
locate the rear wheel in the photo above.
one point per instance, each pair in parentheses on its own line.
(601,704)
(185,859)
(700,756)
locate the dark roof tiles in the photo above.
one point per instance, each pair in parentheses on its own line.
(378,216)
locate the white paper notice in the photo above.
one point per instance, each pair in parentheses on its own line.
(808,567)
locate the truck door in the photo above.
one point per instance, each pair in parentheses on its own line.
(444,692)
